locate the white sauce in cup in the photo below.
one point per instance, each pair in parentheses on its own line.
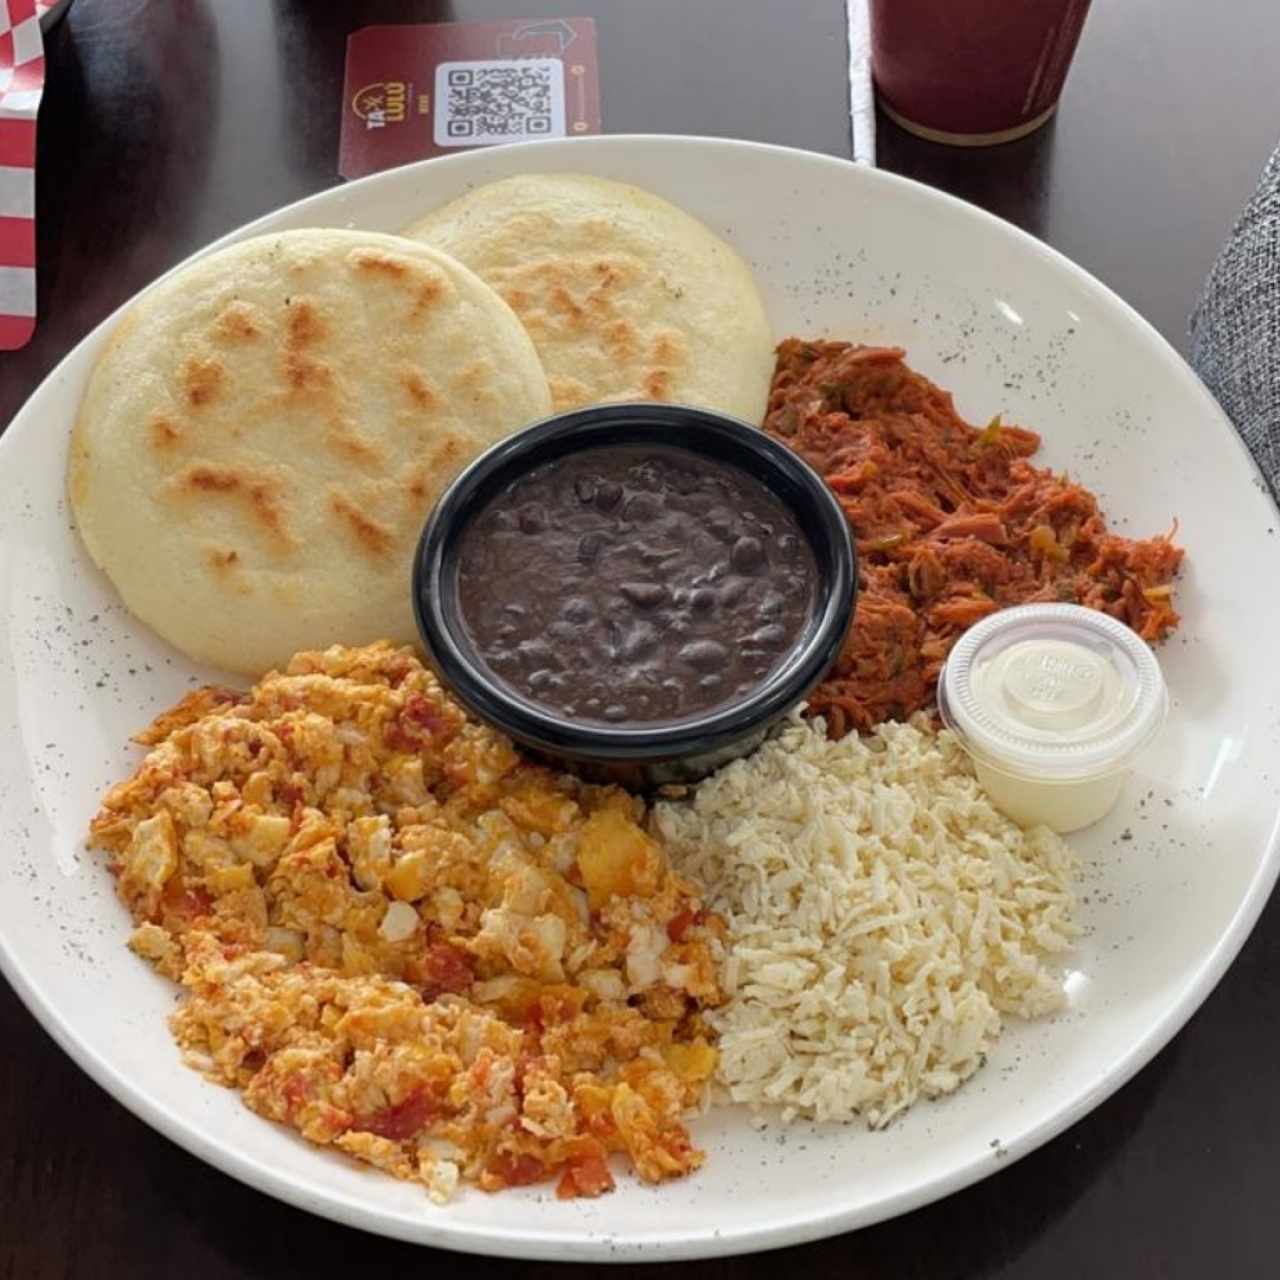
(1053,702)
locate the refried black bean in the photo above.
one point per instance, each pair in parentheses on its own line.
(634,584)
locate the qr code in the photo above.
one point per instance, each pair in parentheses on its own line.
(502,100)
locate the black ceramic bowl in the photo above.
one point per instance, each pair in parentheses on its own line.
(642,755)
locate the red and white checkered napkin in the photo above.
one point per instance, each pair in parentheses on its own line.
(21,84)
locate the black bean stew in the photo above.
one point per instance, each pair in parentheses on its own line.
(634,583)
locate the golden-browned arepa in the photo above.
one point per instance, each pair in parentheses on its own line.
(266,431)
(625,296)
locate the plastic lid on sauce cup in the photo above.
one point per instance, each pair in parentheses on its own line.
(1052,692)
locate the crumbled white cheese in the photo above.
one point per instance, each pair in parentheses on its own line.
(399,923)
(882,916)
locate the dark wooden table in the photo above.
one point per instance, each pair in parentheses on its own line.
(169,122)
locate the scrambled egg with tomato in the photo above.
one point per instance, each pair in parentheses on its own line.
(404,941)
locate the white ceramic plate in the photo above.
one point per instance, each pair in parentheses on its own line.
(1177,876)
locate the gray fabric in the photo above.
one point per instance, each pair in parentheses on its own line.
(1235,328)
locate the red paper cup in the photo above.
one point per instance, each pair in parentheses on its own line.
(973,72)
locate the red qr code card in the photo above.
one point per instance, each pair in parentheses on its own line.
(418,91)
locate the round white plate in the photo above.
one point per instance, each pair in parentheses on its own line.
(1176,877)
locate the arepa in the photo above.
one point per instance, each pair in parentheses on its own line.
(625,296)
(263,437)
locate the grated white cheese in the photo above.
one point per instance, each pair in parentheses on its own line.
(882,916)
(399,923)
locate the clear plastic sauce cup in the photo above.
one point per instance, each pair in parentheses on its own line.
(1053,702)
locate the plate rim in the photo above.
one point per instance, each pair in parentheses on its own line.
(797,1228)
